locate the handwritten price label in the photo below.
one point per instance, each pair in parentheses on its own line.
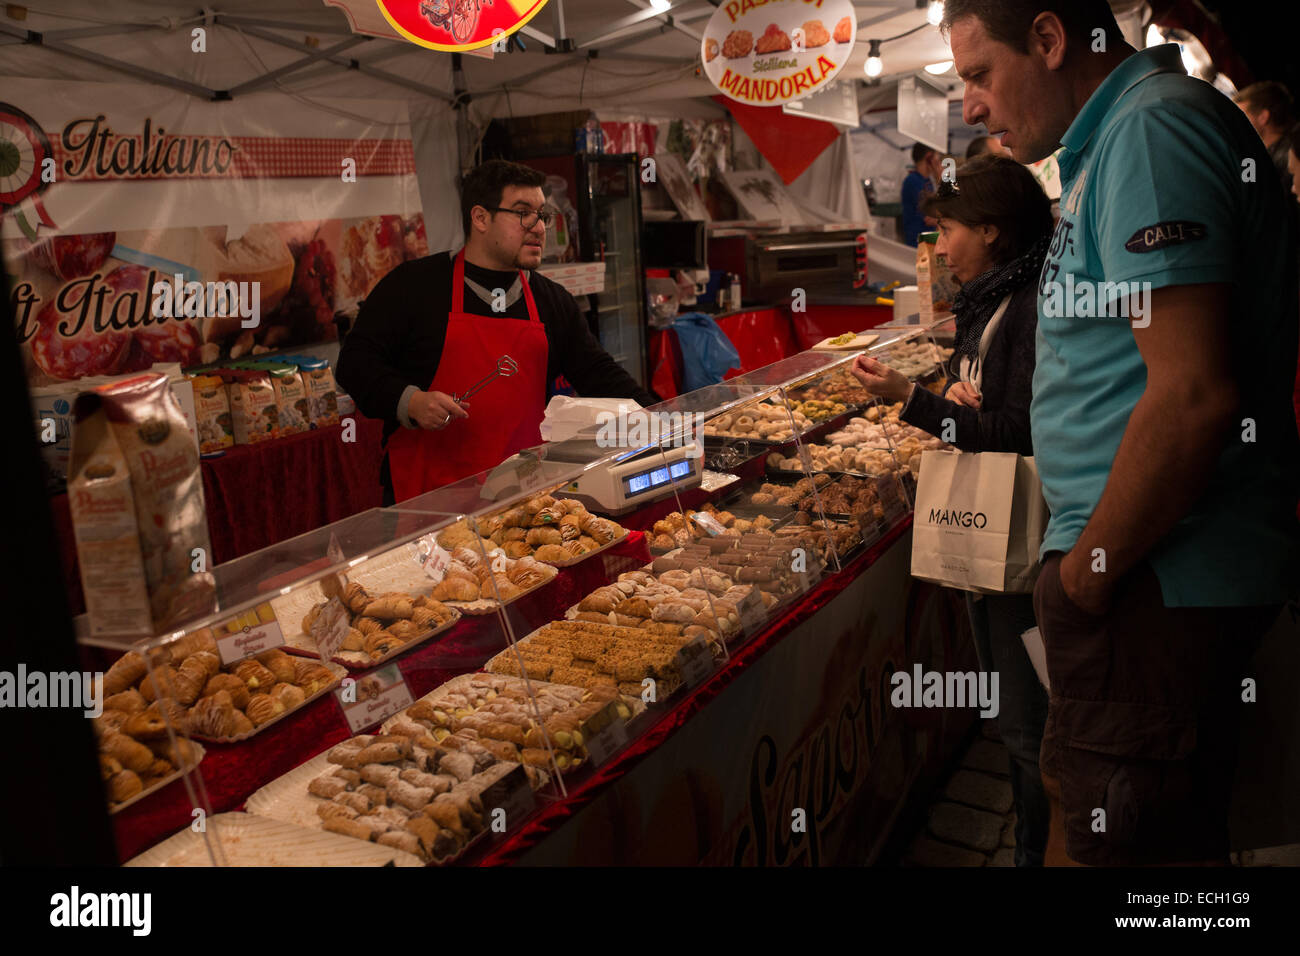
(330,629)
(378,696)
(433,557)
(709,523)
(695,661)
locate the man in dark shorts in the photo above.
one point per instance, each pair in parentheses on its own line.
(1161,419)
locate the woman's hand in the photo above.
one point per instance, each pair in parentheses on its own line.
(880,379)
(963,393)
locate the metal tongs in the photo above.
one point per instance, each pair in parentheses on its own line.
(506,366)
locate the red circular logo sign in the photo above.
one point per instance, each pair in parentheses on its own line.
(458,24)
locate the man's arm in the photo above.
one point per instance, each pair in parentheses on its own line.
(1173,438)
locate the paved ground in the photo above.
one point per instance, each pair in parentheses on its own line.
(971,822)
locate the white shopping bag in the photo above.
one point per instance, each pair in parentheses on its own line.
(979,522)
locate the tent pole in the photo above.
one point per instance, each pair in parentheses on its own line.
(462,102)
(350,63)
(35,38)
(267,78)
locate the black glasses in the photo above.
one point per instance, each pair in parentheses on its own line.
(529,217)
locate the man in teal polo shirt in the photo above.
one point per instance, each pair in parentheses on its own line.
(1160,418)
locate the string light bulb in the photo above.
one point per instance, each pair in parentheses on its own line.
(874,65)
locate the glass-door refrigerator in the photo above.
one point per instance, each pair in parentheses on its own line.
(605,191)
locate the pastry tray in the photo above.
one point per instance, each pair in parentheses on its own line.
(578,559)
(155,787)
(859,341)
(250,840)
(338,672)
(285,799)
(303,645)
(492,605)
(453,687)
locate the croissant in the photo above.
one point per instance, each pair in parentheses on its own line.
(311,676)
(380,643)
(128,701)
(390,608)
(517,549)
(354,641)
(125,672)
(551,552)
(516,517)
(144,725)
(131,754)
(290,695)
(355,597)
(456,589)
(255,674)
(367,625)
(262,708)
(123,786)
(405,630)
(278,663)
(540,536)
(159,683)
(235,687)
(213,716)
(210,661)
(242,725)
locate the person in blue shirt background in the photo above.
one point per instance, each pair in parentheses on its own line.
(916,185)
(1161,416)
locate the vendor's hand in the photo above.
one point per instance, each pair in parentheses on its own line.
(1089,590)
(963,393)
(879,379)
(434,410)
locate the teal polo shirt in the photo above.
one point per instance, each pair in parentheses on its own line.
(1152,191)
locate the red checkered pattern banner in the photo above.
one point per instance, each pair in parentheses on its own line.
(236,157)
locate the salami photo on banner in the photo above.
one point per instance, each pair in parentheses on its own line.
(142,227)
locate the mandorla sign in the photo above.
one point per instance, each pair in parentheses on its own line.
(769,52)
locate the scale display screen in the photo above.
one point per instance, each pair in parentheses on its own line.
(638,483)
(681,469)
(655,478)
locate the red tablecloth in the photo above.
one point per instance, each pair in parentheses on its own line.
(257,495)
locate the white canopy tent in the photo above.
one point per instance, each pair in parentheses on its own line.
(617,57)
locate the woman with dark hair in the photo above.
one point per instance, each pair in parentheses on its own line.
(995,224)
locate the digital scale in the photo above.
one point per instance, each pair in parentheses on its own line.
(638,478)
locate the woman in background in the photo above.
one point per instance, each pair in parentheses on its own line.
(995,224)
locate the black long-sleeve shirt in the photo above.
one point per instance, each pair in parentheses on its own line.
(1002,421)
(399,333)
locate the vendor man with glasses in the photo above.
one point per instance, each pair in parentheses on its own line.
(434,327)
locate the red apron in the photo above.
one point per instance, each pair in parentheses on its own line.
(503,417)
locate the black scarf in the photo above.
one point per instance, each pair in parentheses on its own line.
(978,299)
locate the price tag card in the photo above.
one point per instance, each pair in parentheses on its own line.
(753,613)
(709,523)
(508,801)
(603,734)
(330,628)
(695,661)
(250,633)
(433,557)
(373,698)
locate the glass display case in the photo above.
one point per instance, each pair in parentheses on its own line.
(410,684)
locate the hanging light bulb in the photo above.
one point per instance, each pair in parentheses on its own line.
(874,65)
(934,13)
